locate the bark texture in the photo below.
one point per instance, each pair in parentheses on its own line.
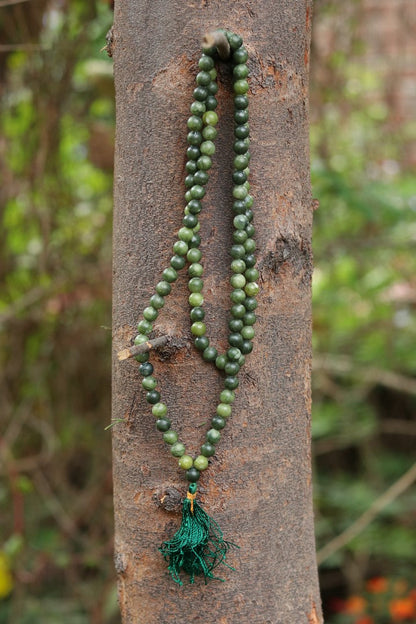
(258,486)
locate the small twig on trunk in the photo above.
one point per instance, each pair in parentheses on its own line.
(217,39)
(125,354)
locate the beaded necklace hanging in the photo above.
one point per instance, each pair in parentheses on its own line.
(198,546)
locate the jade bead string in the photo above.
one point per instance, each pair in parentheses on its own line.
(201,147)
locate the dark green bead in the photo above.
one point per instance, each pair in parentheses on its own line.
(203,79)
(163,424)
(239,177)
(193,152)
(221,361)
(170,437)
(197,191)
(250,303)
(201,177)
(213,436)
(252,275)
(153,397)
(194,255)
(249,318)
(205,63)
(195,241)
(194,206)
(238,206)
(141,357)
(235,340)
(241,116)
(240,222)
(163,288)
(192,475)
(234,40)
(250,232)
(250,244)
(150,313)
(200,94)
(241,146)
(248,201)
(249,214)
(188,196)
(235,325)
(238,265)
(241,162)
(218,423)
(197,314)
(195,284)
(177,262)
(189,181)
(211,103)
(212,88)
(238,310)
(156,301)
(231,382)
(240,55)
(177,449)
(242,361)
(238,295)
(195,123)
(240,71)
(204,162)
(241,101)
(209,133)
(237,251)
(207,449)
(198,108)
(247,332)
(233,354)
(195,269)
(144,327)
(180,248)
(210,354)
(191,166)
(239,236)
(201,343)
(250,260)
(246,347)
(232,368)
(146,369)
(194,137)
(190,220)
(241,87)
(242,131)
(169,275)
(207,148)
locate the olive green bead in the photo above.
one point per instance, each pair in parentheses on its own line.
(195,269)
(207,148)
(195,123)
(251,289)
(141,357)
(170,275)
(170,437)
(241,86)
(210,118)
(197,108)
(207,449)
(238,266)
(224,410)
(159,410)
(157,301)
(238,310)
(194,206)
(240,162)
(204,162)
(237,295)
(201,177)
(250,245)
(195,299)
(234,40)
(194,255)
(209,133)
(248,332)
(250,303)
(163,288)
(144,327)
(195,284)
(233,354)
(235,325)
(189,181)
(227,396)
(220,362)
(201,462)
(240,71)
(177,449)
(200,94)
(192,475)
(240,237)
(197,192)
(191,166)
(238,251)
(177,262)
(185,234)
(213,73)
(252,274)
(194,137)
(185,462)
(213,436)
(149,383)
(198,328)
(237,280)
(195,242)
(150,313)
(193,153)
(140,339)
(205,63)
(242,361)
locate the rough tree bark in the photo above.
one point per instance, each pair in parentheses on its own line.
(259,485)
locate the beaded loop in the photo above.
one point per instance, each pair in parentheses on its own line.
(201,136)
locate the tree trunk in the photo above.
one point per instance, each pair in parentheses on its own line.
(258,486)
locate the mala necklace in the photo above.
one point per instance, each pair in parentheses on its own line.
(198,546)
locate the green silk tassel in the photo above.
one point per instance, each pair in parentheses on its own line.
(198,546)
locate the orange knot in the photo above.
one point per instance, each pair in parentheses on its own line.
(191,497)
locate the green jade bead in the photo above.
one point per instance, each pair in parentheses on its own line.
(195,269)
(186,462)
(170,437)
(177,449)
(196,299)
(213,436)
(159,410)
(192,475)
(223,410)
(149,383)
(201,462)
(195,284)
(169,275)
(198,329)
(227,396)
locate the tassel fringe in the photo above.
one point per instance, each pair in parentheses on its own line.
(198,546)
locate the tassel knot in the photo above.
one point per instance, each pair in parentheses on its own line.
(198,546)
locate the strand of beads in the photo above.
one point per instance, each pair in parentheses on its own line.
(201,147)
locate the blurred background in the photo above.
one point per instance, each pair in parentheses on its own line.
(56,152)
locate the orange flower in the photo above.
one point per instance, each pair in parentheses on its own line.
(355,605)
(402,609)
(377,585)
(366,619)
